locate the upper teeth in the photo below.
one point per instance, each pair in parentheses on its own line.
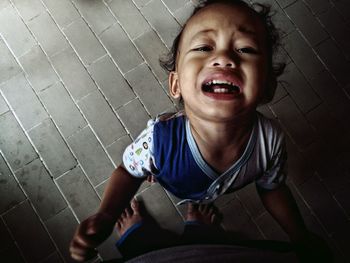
(214,82)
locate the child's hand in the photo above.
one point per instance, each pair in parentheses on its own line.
(312,248)
(89,234)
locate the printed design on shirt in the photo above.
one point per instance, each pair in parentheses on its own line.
(145,145)
(138,151)
(138,157)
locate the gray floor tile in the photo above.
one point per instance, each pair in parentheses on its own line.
(23,101)
(96,14)
(40,246)
(270,228)
(299,167)
(3,105)
(129,17)
(343,7)
(53,258)
(107,250)
(91,156)
(41,189)
(284,3)
(152,49)
(14,144)
(5,237)
(74,75)
(316,120)
(335,61)
(116,149)
(148,88)
(61,107)
(12,254)
(4,3)
(298,50)
(318,6)
(324,123)
(334,97)
(118,44)
(294,122)
(101,188)
(183,13)
(102,119)
(61,228)
(83,202)
(29,10)
(306,22)
(161,209)
(52,148)
(84,41)
(63,11)
(111,82)
(338,29)
(280,93)
(134,117)
(10,192)
(251,200)
(162,21)
(42,74)
(8,64)
(174,5)
(47,33)
(141,3)
(342,198)
(237,221)
(299,89)
(15,32)
(279,18)
(323,205)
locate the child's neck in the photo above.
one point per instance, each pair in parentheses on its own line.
(221,143)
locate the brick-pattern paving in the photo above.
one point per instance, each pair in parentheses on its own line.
(78,81)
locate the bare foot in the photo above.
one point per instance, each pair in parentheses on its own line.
(129,217)
(204,214)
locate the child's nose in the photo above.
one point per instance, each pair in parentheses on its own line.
(224,60)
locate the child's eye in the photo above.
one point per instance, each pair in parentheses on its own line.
(203,48)
(247,50)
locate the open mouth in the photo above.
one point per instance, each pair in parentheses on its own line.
(221,87)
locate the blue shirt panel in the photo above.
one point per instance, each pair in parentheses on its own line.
(177,169)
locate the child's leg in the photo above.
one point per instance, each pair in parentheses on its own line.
(202,226)
(139,234)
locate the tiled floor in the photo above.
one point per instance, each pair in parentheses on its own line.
(80,78)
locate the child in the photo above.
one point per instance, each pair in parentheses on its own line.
(221,69)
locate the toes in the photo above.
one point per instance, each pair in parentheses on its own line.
(119,225)
(192,208)
(135,206)
(122,216)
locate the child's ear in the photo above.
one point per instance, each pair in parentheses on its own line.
(174,87)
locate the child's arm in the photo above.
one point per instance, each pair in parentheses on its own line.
(281,204)
(96,228)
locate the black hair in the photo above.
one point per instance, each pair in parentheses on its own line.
(264,13)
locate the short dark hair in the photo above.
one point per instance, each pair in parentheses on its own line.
(264,13)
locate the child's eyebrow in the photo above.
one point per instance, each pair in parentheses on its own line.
(202,32)
(241,29)
(247,31)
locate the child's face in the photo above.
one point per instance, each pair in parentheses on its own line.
(225,44)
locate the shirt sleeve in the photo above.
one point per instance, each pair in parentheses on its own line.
(138,157)
(276,171)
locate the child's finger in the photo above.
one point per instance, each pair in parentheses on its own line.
(82,254)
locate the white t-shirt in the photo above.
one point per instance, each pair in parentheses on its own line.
(263,161)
